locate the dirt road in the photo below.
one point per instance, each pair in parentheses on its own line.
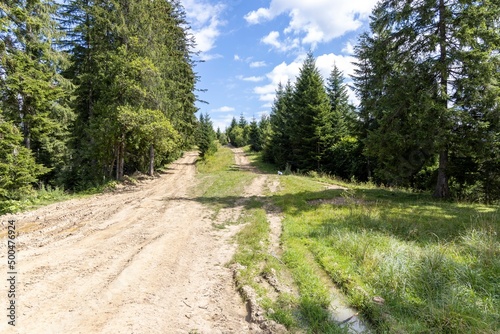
(142,260)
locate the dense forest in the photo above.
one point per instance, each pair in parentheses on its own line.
(428,82)
(92,90)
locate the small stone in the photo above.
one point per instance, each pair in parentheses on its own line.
(379,300)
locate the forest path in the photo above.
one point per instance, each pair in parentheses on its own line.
(145,259)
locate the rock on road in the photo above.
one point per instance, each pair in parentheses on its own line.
(140,260)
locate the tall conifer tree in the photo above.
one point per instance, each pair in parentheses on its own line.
(34,94)
(433,53)
(311,108)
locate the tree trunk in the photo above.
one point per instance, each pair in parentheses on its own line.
(442,189)
(151,160)
(27,135)
(120,159)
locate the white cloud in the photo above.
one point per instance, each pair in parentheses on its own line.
(204,20)
(256,64)
(281,73)
(237,58)
(284,72)
(221,121)
(325,63)
(287,44)
(315,21)
(259,16)
(251,79)
(223,109)
(348,48)
(208,57)
(272,39)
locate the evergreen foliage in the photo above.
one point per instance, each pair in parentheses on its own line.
(278,150)
(238,132)
(419,75)
(34,95)
(97,89)
(92,90)
(206,137)
(18,168)
(310,131)
(133,57)
(343,153)
(221,137)
(255,136)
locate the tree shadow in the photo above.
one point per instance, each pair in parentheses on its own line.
(405,216)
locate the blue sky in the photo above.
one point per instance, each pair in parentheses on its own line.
(249,46)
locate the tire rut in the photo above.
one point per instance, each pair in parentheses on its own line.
(127,262)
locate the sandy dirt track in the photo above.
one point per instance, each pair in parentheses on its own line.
(145,259)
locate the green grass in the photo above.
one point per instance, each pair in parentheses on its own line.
(44,196)
(220,183)
(435,263)
(255,159)
(252,254)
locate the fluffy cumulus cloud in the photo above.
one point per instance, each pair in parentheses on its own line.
(223,109)
(284,72)
(205,22)
(281,73)
(250,61)
(256,64)
(286,44)
(315,21)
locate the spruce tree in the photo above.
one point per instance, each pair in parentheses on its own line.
(311,107)
(279,147)
(18,168)
(341,111)
(255,136)
(342,156)
(34,94)
(133,57)
(206,137)
(425,59)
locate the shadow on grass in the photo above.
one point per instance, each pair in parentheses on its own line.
(405,216)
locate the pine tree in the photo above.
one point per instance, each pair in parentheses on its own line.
(18,168)
(311,108)
(133,57)
(221,137)
(255,136)
(231,131)
(265,131)
(206,137)
(425,58)
(243,124)
(34,94)
(341,111)
(278,149)
(342,156)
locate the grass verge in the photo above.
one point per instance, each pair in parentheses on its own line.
(44,196)
(220,184)
(435,265)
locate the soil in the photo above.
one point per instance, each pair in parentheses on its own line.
(144,259)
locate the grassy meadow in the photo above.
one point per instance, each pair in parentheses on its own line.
(407,262)
(435,265)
